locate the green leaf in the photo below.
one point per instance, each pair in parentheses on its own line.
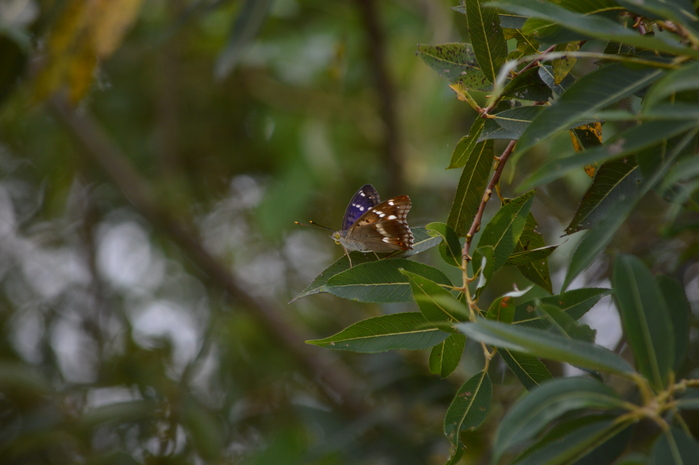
(597,239)
(436,304)
(407,331)
(679,80)
(510,124)
(684,170)
(381,281)
(680,315)
(501,309)
(471,187)
(674,447)
(620,145)
(530,371)
(487,38)
(591,25)
(645,318)
(550,401)
(528,86)
(504,230)
(528,256)
(445,356)
(423,241)
(614,181)
(577,443)
(574,303)
(455,63)
(470,407)
(543,344)
(450,247)
(549,78)
(592,92)
(564,325)
(467,145)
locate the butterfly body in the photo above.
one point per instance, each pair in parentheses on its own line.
(370,225)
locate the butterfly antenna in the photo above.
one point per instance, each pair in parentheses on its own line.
(313,224)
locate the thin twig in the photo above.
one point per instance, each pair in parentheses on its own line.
(476,225)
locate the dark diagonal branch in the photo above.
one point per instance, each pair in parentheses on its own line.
(385,92)
(338,384)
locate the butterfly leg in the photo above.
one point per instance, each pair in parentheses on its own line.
(375,255)
(348,256)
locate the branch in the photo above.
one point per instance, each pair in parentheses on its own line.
(476,225)
(386,93)
(338,384)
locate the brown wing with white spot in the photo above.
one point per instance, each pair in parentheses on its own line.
(385,228)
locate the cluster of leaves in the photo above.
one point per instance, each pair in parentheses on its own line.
(521,54)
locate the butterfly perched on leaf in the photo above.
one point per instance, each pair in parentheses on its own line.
(370,225)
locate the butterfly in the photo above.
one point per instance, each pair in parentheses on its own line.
(370,225)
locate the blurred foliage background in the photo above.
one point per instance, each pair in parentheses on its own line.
(153,157)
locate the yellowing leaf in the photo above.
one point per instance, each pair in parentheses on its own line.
(85,32)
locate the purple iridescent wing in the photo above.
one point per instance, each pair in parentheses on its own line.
(364,200)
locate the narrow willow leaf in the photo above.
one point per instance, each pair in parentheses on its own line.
(543,344)
(530,371)
(674,447)
(680,315)
(493,131)
(470,407)
(471,187)
(467,145)
(456,63)
(590,25)
(408,331)
(445,357)
(550,401)
(645,318)
(597,239)
(531,245)
(502,309)
(577,444)
(528,256)
(504,230)
(564,325)
(679,80)
(547,77)
(575,303)
(487,38)
(450,247)
(614,182)
(511,21)
(592,92)
(620,145)
(436,304)
(528,85)
(423,241)
(510,123)
(381,281)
